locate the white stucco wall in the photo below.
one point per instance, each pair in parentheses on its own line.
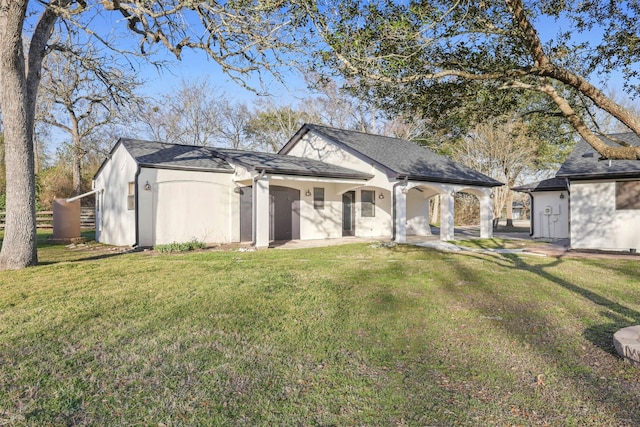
(187,205)
(595,221)
(314,147)
(329,223)
(418,212)
(550,215)
(379,225)
(115,224)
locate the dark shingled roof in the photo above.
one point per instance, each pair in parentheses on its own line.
(288,165)
(401,157)
(552,184)
(585,162)
(191,157)
(174,156)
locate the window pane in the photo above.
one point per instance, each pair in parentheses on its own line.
(368,202)
(131,202)
(318,198)
(628,195)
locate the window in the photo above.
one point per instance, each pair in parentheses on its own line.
(318,198)
(368,203)
(627,195)
(131,197)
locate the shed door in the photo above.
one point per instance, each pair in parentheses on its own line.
(285,213)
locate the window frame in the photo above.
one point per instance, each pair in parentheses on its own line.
(368,207)
(623,189)
(131,196)
(318,198)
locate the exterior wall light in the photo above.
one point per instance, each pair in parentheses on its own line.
(381,196)
(307,193)
(562,195)
(147,186)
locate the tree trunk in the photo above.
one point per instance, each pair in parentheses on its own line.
(76,153)
(509,205)
(19,248)
(18,90)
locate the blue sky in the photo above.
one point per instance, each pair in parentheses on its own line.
(196,65)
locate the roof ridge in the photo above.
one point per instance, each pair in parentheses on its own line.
(362,133)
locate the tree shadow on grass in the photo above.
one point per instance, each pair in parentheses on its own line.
(536,324)
(600,335)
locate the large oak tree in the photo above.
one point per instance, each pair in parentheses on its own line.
(430,56)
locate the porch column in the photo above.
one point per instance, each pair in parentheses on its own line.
(486,217)
(426,210)
(261,215)
(446,215)
(401,214)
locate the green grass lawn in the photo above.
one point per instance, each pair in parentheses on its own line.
(346,335)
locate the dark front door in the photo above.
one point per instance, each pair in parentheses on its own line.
(285,213)
(246,214)
(348,213)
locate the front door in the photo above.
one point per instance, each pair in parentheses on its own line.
(285,213)
(348,213)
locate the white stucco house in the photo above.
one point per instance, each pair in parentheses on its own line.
(603,198)
(324,183)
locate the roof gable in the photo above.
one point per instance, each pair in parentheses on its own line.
(585,162)
(403,158)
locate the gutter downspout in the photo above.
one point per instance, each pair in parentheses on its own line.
(73,199)
(531,215)
(393,192)
(254,208)
(137,211)
(568,209)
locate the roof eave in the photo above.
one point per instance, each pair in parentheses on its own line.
(184,168)
(584,177)
(454,181)
(315,174)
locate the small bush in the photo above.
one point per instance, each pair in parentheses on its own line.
(179,247)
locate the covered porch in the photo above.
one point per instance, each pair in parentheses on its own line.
(412,209)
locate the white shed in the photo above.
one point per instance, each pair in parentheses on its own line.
(549,208)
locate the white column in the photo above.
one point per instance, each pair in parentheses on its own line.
(426,210)
(446,215)
(401,214)
(486,216)
(261,212)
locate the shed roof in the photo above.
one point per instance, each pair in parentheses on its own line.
(401,158)
(552,184)
(585,162)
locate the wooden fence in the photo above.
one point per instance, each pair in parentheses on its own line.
(44,219)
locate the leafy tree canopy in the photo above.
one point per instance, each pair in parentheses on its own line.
(440,56)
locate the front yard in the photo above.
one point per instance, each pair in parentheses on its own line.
(346,335)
